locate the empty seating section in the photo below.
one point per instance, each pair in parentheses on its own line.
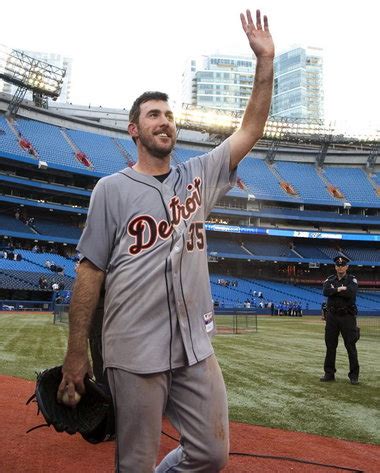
(309,251)
(57,228)
(264,248)
(261,181)
(328,251)
(354,185)
(305,179)
(363,254)
(15,280)
(48,141)
(23,265)
(101,150)
(216,245)
(9,141)
(10,223)
(277,247)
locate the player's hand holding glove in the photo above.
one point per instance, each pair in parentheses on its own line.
(92,417)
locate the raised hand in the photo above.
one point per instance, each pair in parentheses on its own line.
(258,35)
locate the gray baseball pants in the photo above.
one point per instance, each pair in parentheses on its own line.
(195,401)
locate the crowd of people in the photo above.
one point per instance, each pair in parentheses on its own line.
(287,308)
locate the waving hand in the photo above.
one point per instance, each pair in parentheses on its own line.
(258,35)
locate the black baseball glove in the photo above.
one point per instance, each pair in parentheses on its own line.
(92,417)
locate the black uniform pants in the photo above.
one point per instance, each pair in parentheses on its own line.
(346,325)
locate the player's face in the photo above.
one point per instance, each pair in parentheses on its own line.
(156,128)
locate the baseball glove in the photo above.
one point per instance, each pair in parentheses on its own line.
(92,417)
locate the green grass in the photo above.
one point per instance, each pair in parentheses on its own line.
(272,376)
(272,380)
(30,343)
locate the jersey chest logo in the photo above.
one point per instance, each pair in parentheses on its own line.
(146,230)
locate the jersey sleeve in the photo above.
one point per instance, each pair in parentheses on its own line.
(98,235)
(218,179)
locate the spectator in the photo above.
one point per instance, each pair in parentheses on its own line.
(55,286)
(43,283)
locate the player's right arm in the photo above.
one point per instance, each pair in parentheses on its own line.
(85,297)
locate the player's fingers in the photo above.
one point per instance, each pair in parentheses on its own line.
(249,18)
(71,399)
(258,20)
(61,390)
(243,22)
(266,23)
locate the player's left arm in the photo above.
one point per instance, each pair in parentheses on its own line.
(257,110)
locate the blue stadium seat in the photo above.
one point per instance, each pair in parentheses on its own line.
(103,152)
(354,184)
(305,179)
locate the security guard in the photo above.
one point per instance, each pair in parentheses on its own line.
(340,290)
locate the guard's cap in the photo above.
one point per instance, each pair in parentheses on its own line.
(341,261)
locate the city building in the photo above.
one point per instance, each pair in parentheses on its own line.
(218,81)
(298,84)
(225,82)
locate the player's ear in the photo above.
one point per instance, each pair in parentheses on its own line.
(132,130)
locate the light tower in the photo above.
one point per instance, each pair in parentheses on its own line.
(28,73)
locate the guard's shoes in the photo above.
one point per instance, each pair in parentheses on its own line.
(354,381)
(327,377)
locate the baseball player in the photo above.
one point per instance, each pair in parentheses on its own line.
(145,237)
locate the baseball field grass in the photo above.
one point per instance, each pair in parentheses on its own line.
(272,375)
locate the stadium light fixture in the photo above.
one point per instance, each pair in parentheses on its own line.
(28,73)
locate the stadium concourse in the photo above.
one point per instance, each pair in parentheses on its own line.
(299,202)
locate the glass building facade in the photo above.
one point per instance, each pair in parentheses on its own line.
(225,82)
(298,84)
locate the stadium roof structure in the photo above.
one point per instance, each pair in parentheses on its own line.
(288,129)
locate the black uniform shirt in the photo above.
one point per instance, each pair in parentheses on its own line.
(342,299)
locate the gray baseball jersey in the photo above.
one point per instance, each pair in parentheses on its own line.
(150,239)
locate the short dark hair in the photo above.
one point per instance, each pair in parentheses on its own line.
(134,113)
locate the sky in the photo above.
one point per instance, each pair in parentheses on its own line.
(122,48)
